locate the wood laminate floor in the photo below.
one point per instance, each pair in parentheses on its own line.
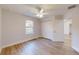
(39,47)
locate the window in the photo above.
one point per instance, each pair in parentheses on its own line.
(29,27)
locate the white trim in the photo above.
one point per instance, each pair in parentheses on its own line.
(75,49)
(0,50)
(17,42)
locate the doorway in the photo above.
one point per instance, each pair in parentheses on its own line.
(68,32)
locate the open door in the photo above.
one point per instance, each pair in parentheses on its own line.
(68,32)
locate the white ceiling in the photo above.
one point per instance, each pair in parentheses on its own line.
(32,9)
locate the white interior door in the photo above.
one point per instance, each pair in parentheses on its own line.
(47,29)
(59,30)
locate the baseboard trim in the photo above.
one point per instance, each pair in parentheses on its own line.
(76,49)
(59,41)
(0,50)
(22,41)
(46,38)
(19,42)
(52,40)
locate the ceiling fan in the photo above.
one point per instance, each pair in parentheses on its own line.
(41,12)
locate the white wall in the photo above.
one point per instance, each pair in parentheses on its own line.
(13,28)
(74,15)
(75,30)
(53,28)
(0,30)
(47,29)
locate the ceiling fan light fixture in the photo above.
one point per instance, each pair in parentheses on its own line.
(42,10)
(40,15)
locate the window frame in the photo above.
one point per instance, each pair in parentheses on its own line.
(31,26)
